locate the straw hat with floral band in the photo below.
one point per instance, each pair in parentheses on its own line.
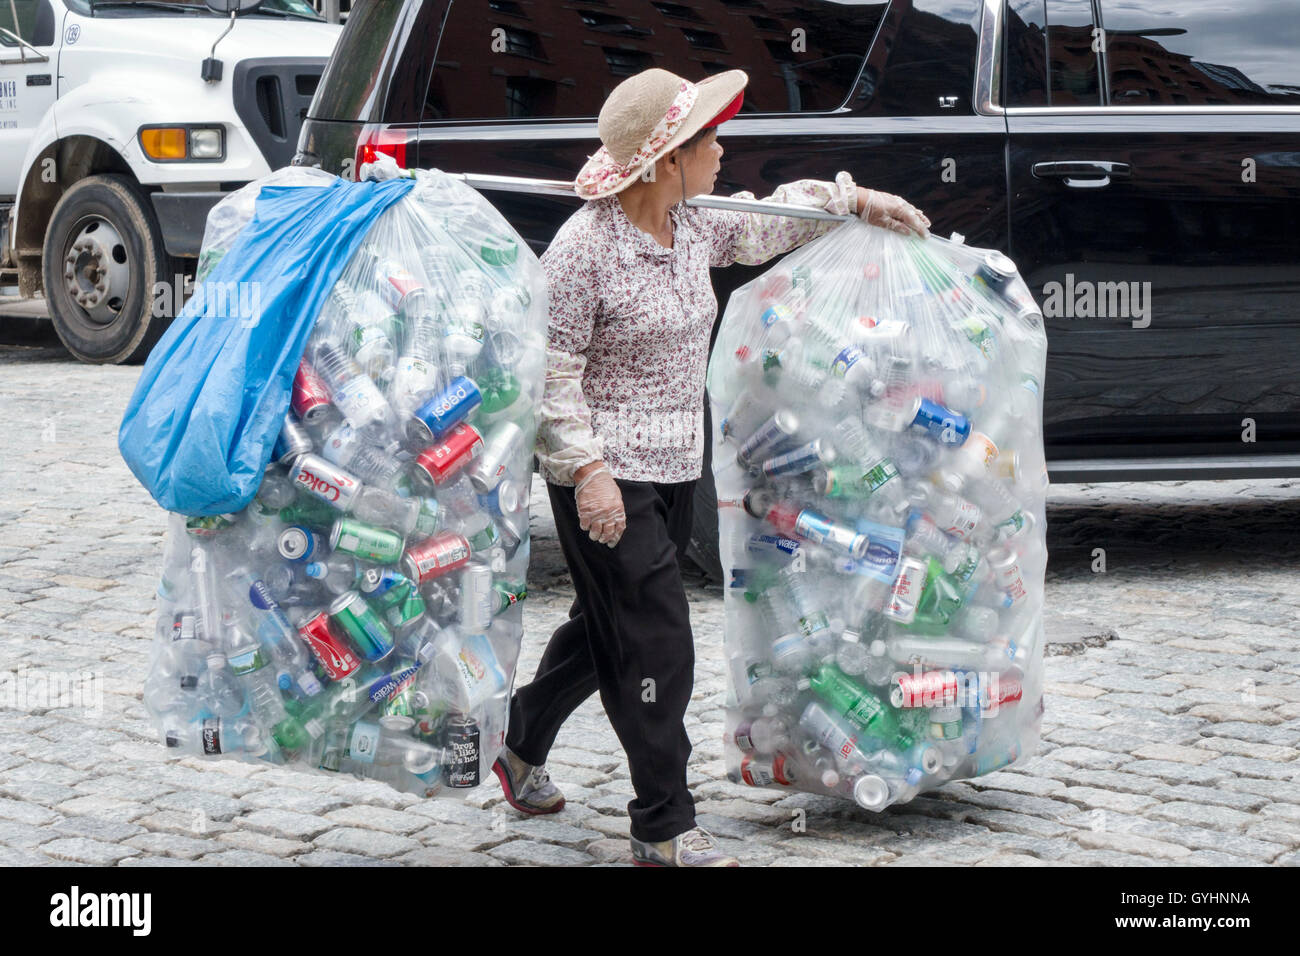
(650,114)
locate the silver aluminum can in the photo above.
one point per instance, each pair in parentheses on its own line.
(476,599)
(331,484)
(292,441)
(783,424)
(906,590)
(499,451)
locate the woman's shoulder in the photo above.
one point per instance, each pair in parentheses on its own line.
(587,230)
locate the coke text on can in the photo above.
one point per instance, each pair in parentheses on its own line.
(324,481)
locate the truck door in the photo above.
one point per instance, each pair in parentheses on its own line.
(28,64)
(1154,184)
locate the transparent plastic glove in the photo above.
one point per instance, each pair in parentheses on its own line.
(600,507)
(892,212)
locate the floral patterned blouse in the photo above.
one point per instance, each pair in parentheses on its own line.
(628,338)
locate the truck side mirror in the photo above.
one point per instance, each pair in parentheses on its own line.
(233,6)
(211,68)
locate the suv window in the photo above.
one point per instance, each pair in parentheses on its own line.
(922,61)
(503,59)
(1174,53)
(1051,59)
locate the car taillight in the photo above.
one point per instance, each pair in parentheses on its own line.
(380,139)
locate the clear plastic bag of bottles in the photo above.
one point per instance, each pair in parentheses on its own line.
(232,214)
(878,457)
(363,614)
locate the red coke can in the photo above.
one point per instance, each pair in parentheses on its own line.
(440,462)
(334,655)
(435,556)
(310,396)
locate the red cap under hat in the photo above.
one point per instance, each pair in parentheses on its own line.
(728,112)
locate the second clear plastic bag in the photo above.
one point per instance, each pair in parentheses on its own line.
(879,464)
(363,614)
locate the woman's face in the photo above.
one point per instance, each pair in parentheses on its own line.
(700,165)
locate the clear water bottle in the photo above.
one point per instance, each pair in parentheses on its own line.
(219,691)
(348,448)
(416,376)
(386,509)
(337,572)
(204,577)
(351,390)
(216,735)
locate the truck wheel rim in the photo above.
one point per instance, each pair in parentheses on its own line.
(97,270)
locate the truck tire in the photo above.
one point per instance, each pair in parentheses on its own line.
(102,261)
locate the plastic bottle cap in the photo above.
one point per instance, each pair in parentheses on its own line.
(804,683)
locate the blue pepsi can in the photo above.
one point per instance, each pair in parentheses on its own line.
(941,423)
(301,545)
(444,411)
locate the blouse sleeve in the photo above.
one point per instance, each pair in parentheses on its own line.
(751,238)
(565,438)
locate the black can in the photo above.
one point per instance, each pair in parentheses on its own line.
(462,752)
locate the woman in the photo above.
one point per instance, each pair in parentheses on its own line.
(620,438)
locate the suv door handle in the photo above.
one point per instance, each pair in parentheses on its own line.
(1092,173)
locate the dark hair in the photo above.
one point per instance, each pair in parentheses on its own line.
(698,138)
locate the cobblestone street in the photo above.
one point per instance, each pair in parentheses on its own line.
(1171,732)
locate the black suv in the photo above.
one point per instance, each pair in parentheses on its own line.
(1140,161)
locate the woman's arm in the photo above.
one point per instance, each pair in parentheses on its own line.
(566,441)
(753,238)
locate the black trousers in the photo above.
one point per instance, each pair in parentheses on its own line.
(629,637)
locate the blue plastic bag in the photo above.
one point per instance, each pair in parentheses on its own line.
(199,428)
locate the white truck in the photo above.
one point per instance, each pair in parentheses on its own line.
(121,125)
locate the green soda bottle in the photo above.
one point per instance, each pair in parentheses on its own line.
(942,597)
(310,512)
(499,389)
(855,703)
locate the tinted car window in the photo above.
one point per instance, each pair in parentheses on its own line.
(381,65)
(1177,53)
(1051,60)
(923,57)
(561,58)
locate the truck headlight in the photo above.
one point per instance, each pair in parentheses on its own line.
(178,143)
(206,143)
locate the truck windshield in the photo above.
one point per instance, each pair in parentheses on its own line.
(300,9)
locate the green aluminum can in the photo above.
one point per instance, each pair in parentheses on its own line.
(507,595)
(364,541)
(363,625)
(398,712)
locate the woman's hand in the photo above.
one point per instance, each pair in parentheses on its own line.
(891,212)
(600,504)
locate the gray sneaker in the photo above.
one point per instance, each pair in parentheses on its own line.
(527,788)
(695,847)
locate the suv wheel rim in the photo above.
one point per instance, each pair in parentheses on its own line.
(97,270)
